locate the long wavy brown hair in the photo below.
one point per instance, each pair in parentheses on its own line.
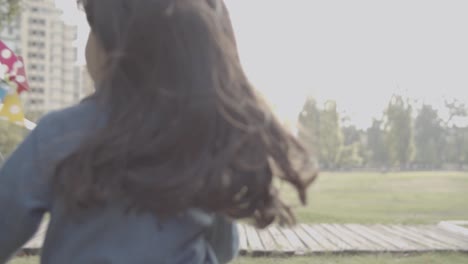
(185,127)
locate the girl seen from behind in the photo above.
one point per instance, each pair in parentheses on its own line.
(173,146)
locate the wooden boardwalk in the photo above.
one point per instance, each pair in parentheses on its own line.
(333,238)
(349,238)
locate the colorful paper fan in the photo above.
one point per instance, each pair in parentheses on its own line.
(13,81)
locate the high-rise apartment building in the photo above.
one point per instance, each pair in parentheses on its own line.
(84,81)
(45,42)
(87,83)
(11,35)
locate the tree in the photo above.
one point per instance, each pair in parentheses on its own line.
(351,135)
(353,152)
(378,153)
(399,131)
(8,10)
(456,109)
(350,156)
(457,146)
(456,150)
(429,137)
(309,123)
(330,136)
(464,148)
(319,130)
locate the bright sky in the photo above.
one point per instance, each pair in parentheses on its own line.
(355,52)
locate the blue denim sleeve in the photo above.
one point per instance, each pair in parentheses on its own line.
(23,195)
(224,239)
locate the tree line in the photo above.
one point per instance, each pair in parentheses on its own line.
(405,137)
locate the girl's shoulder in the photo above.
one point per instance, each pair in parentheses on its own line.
(85,111)
(62,130)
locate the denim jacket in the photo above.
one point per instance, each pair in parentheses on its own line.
(106,235)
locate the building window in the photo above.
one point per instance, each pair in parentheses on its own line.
(34,55)
(36,101)
(37,78)
(40,33)
(37,21)
(11,30)
(38,44)
(36,67)
(40,67)
(38,90)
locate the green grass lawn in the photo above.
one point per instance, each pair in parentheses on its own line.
(429,258)
(25,260)
(410,198)
(442,258)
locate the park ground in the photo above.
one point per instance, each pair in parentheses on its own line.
(366,198)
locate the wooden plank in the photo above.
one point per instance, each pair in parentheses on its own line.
(450,233)
(268,241)
(253,240)
(283,244)
(429,245)
(35,243)
(242,238)
(367,245)
(402,239)
(332,229)
(312,245)
(321,240)
(444,232)
(455,227)
(355,239)
(419,234)
(38,238)
(299,247)
(431,232)
(437,245)
(420,231)
(336,240)
(383,244)
(42,228)
(403,245)
(332,238)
